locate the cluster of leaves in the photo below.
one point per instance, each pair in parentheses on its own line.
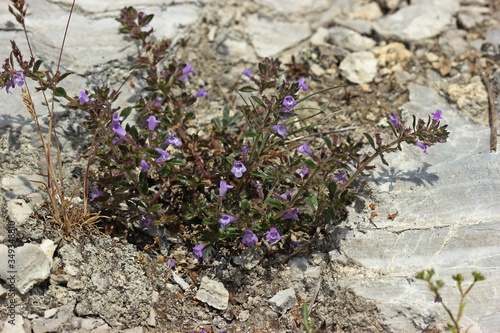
(246,175)
(435,286)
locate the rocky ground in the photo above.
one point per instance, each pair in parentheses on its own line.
(357,276)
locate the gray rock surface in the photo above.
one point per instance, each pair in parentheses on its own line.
(283,300)
(213,293)
(359,67)
(31,264)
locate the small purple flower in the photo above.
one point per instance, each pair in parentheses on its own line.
(119,130)
(302,84)
(281,129)
(152,122)
(116,118)
(17,80)
(273,236)
(224,187)
(247,73)
(292,215)
(340,177)
(172,140)
(170,263)
(293,245)
(187,71)
(304,148)
(238,169)
(144,166)
(244,149)
(83,98)
(289,102)
(422,146)
(226,219)
(157,102)
(95,193)
(198,250)
(201,93)
(163,155)
(394,119)
(436,115)
(287,195)
(145,221)
(304,172)
(249,238)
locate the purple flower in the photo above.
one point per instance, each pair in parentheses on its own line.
(340,177)
(293,245)
(152,122)
(226,219)
(17,80)
(116,118)
(436,115)
(273,236)
(287,195)
(422,146)
(157,102)
(292,215)
(281,129)
(163,155)
(224,187)
(244,149)
(201,93)
(304,171)
(170,263)
(119,130)
(247,73)
(187,71)
(289,102)
(304,148)
(95,193)
(172,140)
(198,250)
(144,166)
(83,98)
(145,221)
(302,84)
(394,119)
(249,238)
(238,169)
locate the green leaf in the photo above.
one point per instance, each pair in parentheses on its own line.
(274,203)
(383,160)
(144,187)
(312,201)
(370,140)
(126,112)
(332,189)
(478,276)
(189,115)
(250,134)
(258,101)
(60,92)
(225,113)
(310,164)
(177,161)
(155,208)
(244,205)
(65,75)
(37,65)
(247,89)
(328,142)
(146,20)
(132,130)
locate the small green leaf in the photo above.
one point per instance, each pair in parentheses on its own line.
(250,134)
(247,89)
(177,161)
(244,205)
(37,65)
(370,140)
(146,20)
(60,92)
(126,112)
(225,112)
(65,75)
(155,208)
(144,187)
(258,101)
(383,160)
(189,115)
(274,203)
(328,142)
(310,164)
(312,201)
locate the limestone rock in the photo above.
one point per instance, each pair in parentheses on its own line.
(359,67)
(213,293)
(283,300)
(349,39)
(472,99)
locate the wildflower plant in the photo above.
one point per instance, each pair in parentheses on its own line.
(435,286)
(245,178)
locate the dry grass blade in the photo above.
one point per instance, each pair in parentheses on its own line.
(29,104)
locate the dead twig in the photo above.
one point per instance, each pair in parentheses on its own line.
(492,113)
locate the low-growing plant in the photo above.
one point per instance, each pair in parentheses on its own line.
(248,176)
(435,286)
